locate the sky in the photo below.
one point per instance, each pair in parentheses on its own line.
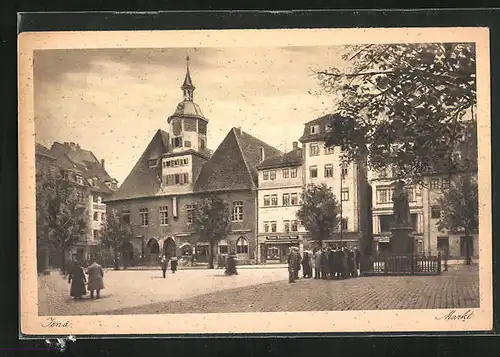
(112,101)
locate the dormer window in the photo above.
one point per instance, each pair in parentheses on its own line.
(314,129)
(64,174)
(152,163)
(79,179)
(328,128)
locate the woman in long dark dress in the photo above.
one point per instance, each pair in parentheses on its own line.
(77,280)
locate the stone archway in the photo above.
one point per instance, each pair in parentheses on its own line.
(152,251)
(169,248)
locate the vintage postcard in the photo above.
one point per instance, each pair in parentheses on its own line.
(255,181)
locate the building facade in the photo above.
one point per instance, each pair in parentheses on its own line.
(175,171)
(349,182)
(280,188)
(91,183)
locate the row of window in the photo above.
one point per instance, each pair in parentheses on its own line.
(288,199)
(176,162)
(237,214)
(385,193)
(437,183)
(314,149)
(327,171)
(288,226)
(177,143)
(286,173)
(177,179)
(70,176)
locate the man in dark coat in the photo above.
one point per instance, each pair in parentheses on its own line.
(95,281)
(297,265)
(293,262)
(231,264)
(77,279)
(324,263)
(164,265)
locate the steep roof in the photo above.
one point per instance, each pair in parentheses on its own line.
(233,165)
(291,158)
(142,181)
(322,123)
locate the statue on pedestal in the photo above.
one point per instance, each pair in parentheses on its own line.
(401,206)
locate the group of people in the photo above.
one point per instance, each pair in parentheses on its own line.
(79,283)
(164,265)
(328,263)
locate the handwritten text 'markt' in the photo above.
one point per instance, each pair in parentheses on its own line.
(453,315)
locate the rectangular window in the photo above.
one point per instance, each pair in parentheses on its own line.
(152,163)
(329,150)
(312,129)
(293,172)
(96,216)
(443,245)
(385,223)
(177,142)
(286,199)
(190,213)
(345,170)
(272,174)
(345,225)
(170,180)
(313,150)
(177,179)
(80,196)
(434,183)
(445,183)
(95,199)
(163,215)
(313,171)
(382,173)
(294,227)
(126,215)
(384,195)
(273,226)
(266,200)
(238,211)
(266,227)
(286,173)
(345,194)
(265,175)
(274,200)
(414,221)
(96,234)
(435,212)
(223,249)
(410,191)
(328,170)
(294,199)
(143,217)
(286,225)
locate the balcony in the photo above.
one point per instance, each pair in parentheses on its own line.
(98,206)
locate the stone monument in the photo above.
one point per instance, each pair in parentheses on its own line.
(401,239)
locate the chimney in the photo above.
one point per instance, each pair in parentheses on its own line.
(239,130)
(102,163)
(295,145)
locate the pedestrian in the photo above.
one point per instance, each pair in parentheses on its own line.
(164,265)
(297,264)
(357,259)
(292,263)
(95,281)
(317,264)
(307,265)
(324,263)
(173,264)
(77,279)
(231,265)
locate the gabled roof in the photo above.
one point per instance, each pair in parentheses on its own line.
(291,158)
(233,165)
(142,181)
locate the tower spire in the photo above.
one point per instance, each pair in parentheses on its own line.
(188,87)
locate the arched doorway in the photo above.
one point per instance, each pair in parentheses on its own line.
(169,248)
(127,251)
(152,251)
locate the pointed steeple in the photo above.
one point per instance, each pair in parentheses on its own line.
(188,87)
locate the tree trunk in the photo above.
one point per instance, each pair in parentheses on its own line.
(211,255)
(117,265)
(63,260)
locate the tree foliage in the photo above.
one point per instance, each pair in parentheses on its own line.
(318,211)
(460,205)
(60,212)
(115,233)
(403,105)
(212,221)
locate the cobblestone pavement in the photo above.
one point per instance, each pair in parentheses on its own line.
(267,290)
(128,289)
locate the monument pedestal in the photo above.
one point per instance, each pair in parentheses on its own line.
(401,240)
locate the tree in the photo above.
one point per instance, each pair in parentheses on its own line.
(115,233)
(212,221)
(60,212)
(402,105)
(460,207)
(318,213)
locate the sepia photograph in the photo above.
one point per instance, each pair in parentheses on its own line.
(255,181)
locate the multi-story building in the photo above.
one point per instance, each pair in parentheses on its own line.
(91,182)
(280,187)
(349,182)
(175,171)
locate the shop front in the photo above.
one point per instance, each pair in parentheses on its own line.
(275,249)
